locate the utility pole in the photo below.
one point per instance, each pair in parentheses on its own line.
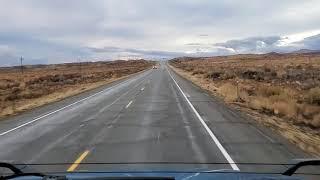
(79,60)
(21,64)
(80,69)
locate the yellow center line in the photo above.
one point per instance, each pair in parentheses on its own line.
(78,161)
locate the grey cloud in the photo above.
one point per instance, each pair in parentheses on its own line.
(268,44)
(8,59)
(146,53)
(217,51)
(251,45)
(312,42)
(60,29)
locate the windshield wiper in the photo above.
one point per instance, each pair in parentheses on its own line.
(43,176)
(18,173)
(302,163)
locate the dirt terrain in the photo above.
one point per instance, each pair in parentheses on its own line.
(33,86)
(281,91)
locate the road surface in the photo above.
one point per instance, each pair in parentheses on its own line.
(155,116)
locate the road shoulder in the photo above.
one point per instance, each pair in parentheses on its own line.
(296,136)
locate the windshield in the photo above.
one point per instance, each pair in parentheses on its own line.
(159,86)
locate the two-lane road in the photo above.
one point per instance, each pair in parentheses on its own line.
(155,116)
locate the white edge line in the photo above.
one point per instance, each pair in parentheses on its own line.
(60,109)
(128,104)
(214,138)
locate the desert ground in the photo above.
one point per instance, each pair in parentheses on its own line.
(281,91)
(35,85)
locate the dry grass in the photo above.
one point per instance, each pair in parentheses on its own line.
(41,84)
(229,91)
(285,87)
(273,83)
(313,96)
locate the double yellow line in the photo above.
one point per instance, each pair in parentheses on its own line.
(78,161)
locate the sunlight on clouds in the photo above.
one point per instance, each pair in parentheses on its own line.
(289,39)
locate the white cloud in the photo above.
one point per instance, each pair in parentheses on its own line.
(292,38)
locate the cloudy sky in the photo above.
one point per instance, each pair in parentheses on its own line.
(56,31)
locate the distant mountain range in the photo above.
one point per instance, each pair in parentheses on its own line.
(304,51)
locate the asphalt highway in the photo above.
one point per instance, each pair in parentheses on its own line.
(152,117)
